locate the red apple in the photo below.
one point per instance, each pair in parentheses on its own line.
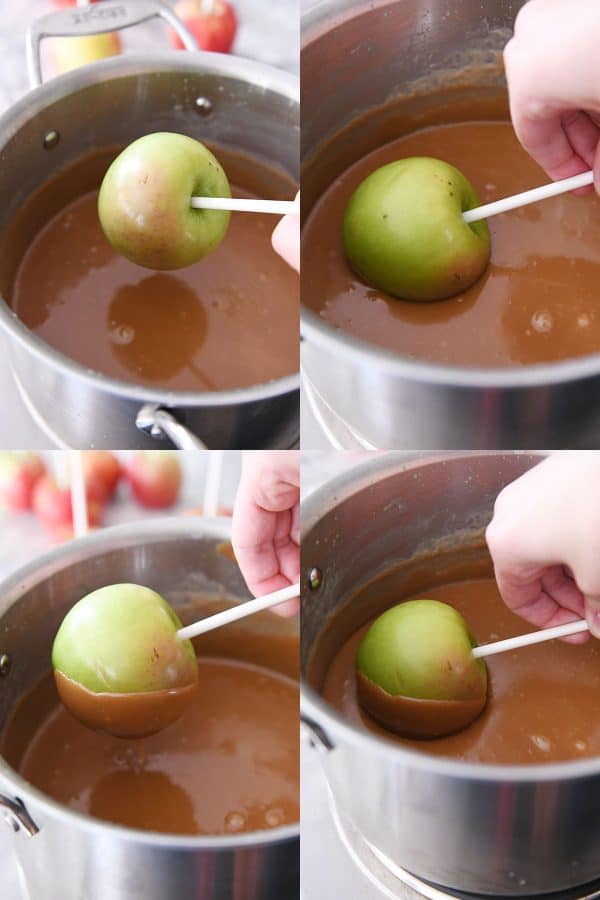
(102,471)
(155,478)
(19,471)
(52,505)
(212,22)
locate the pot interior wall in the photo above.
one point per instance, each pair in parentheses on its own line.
(394,518)
(462,555)
(393,69)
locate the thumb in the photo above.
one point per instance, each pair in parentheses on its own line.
(286,240)
(592,615)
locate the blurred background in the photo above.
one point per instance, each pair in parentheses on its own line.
(265,30)
(260,29)
(35,504)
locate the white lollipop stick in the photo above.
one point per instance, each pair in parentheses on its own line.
(238,612)
(78,494)
(212,488)
(533,196)
(234,204)
(536,637)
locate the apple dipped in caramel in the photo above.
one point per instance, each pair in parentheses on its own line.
(119,664)
(416,673)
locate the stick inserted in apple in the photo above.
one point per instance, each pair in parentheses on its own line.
(165,202)
(404,230)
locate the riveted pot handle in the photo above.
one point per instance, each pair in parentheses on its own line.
(160,423)
(97,18)
(317,734)
(17,815)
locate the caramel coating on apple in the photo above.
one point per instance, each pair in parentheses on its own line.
(118,663)
(416,673)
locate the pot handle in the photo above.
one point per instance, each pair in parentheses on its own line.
(317,734)
(17,815)
(110,15)
(158,422)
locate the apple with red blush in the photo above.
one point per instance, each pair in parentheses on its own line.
(212,22)
(154,477)
(19,473)
(102,472)
(51,503)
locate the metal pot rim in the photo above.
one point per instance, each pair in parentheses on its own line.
(335,727)
(113,68)
(327,14)
(114,537)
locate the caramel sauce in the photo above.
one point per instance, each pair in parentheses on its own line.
(538,300)
(542,700)
(228,321)
(229,764)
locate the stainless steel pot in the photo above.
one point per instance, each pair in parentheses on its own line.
(485,829)
(362,58)
(64,855)
(222,99)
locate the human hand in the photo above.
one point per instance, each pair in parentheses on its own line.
(266,523)
(553,72)
(286,240)
(544,539)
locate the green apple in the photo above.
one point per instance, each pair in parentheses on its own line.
(72,52)
(122,639)
(405,234)
(144,202)
(422,649)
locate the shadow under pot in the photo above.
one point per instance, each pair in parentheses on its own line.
(465,810)
(511,362)
(191,811)
(104,352)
